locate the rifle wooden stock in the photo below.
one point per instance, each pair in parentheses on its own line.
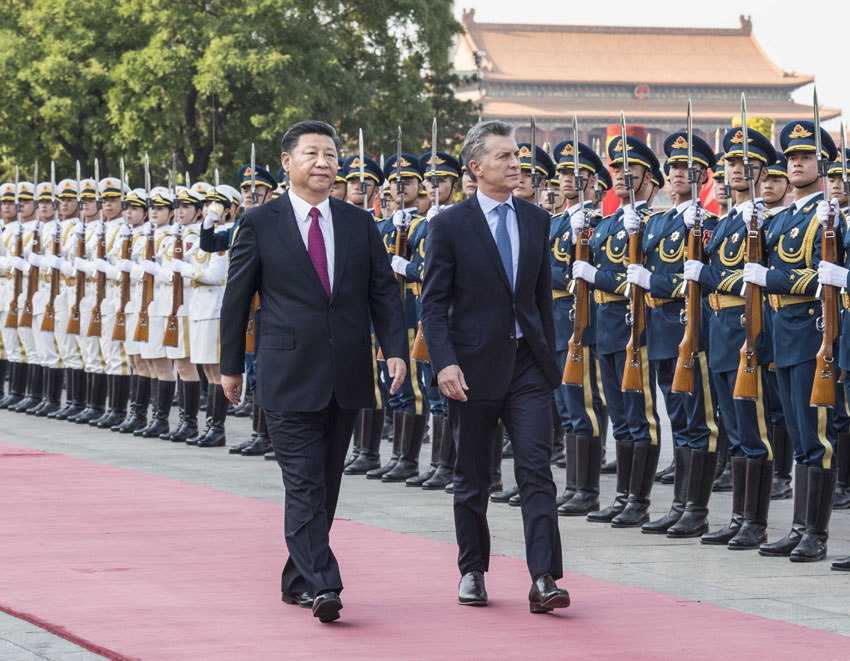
(141,332)
(96,323)
(119,331)
(251,330)
(746,382)
(74,319)
(17,286)
(49,321)
(683,376)
(419,350)
(171,337)
(633,369)
(574,367)
(401,251)
(25,320)
(823,387)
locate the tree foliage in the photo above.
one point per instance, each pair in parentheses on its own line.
(205,78)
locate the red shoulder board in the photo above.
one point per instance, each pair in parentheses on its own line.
(188,246)
(590,231)
(706,237)
(222,253)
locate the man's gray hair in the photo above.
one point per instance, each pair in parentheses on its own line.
(474,147)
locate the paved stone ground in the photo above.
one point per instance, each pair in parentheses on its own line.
(806,594)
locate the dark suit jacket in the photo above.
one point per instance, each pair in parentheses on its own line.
(468,309)
(311,347)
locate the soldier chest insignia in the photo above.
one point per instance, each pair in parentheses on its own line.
(566,236)
(674,236)
(706,237)
(735,237)
(621,234)
(794,233)
(188,246)
(651,237)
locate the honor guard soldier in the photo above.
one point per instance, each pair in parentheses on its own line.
(340,184)
(467,185)
(544,169)
(718,174)
(775,187)
(632,414)
(372,177)
(410,410)
(580,420)
(793,247)
(746,420)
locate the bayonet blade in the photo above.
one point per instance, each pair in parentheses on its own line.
(147,180)
(215,178)
(818,145)
(434,148)
(121,181)
(843,152)
(577,178)
(35,190)
(745,134)
(253,175)
(53,186)
(362,155)
(79,191)
(399,184)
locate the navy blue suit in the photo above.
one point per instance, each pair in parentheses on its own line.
(469,315)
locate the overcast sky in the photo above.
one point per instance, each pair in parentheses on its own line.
(779,26)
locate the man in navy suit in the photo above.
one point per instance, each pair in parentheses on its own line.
(322,272)
(487,314)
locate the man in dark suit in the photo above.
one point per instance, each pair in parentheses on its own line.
(321,271)
(487,315)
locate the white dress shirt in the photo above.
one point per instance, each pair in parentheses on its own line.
(488,208)
(301,208)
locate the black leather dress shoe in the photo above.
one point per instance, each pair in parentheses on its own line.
(470,590)
(327,606)
(302,599)
(504,496)
(545,595)
(842,564)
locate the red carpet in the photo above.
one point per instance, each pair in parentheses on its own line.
(135,566)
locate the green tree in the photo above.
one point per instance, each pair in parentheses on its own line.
(205,78)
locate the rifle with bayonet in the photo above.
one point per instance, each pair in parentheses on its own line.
(25,320)
(143,324)
(574,367)
(49,321)
(535,178)
(683,376)
(95,325)
(75,315)
(362,156)
(420,350)
(17,278)
(382,202)
(636,317)
(823,387)
(746,382)
(119,330)
(400,234)
(171,337)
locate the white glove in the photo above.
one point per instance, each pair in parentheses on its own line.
(150,267)
(213,215)
(179,267)
(147,227)
(175,230)
(631,221)
(19,229)
(692,213)
(638,275)
(432,211)
(54,230)
(824,209)
(125,265)
(399,264)
(34,259)
(401,220)
(101,265)
(77,230)
(56,262)
(20,264)
(84,265)
(747,213)
(832,274)
(125,231)
(756,274)
(693,268)
(577,221)
(585,271)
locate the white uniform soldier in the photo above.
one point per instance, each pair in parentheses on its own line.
(8,216)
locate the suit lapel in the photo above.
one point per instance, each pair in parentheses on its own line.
(342,237)
(482,229)
(287,227)
(524,229)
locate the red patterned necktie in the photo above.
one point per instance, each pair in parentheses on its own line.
(316,250)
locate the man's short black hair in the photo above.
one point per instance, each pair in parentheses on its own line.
(309,126)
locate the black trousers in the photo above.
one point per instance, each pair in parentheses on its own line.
(526,411)
(310,450)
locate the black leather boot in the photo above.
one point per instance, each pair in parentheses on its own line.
(96,400)
(138,417)
(52,402)
(559,447)
(236,449)
(75,394)
(215,437)
(436,439)
(588,466)
(842,460)
(110,397)
(723,476)
(821,493)
(784,546)
(88,383)
(189,420)
(625,454)
(496,476)
(45,374)
(131,403)
(378,473)
(205,387)
(263,443)
(386,424)
(3,364)
(570,452)
(369,458)
(644,464)
(34,384)
(17,385)
(445,472)
(783,461)
(666,473)
(739,486)
(159,420)
(412,434)
(118,401)
(355,440)
(694,520)
(682,471)
(753,530)
(178,400)
(245,406)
